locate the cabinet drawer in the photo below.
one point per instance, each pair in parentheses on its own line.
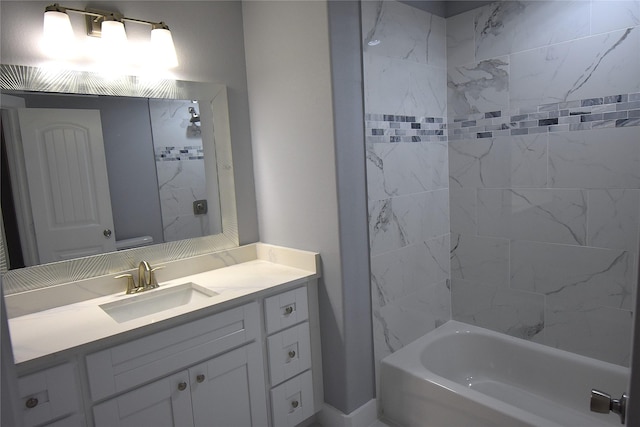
(292,402)
(286,309)
(289,353)
(48,394)
(131,364)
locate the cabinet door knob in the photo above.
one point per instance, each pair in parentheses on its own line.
(288,310)
(182,386)
(295,403)
(200,378)
(31,403)
(292,354)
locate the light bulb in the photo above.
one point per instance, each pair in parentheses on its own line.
(114,37)
(58,40)
(163,51)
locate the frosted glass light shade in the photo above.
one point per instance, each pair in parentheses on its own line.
(58,34)
(114,37)
(163,51)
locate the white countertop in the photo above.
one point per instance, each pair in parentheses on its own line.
(44,333)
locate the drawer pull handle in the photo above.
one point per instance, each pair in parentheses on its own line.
(200,378)
(292,354)
(31,403)
(182,386)
(295,403)
(288,310)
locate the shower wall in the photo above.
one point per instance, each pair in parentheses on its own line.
(407,171)
(544,157)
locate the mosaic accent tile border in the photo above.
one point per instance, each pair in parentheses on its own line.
(388,128)
(586,114)
(167,154)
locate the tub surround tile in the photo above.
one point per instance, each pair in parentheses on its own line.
(544,215)
(510,311)
(480,259)
(614,15)
(462,210)
(614,219)
(512,26)
(400,169)
(572,277)
(578,69)
(604,158)
(461,39)
(478,87)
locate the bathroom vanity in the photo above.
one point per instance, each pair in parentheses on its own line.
(229,338)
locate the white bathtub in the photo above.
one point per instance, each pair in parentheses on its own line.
(464,376)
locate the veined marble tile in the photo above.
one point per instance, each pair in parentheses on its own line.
(395,86)
(574,277)
(403,32)
(405,220)
(603,158)
(583,68)
(506,27)
(181,174)
(461,39)
(510,311)
(179,201)
(614,15)
(185,227)
(500,162)
(480,259)
(542,215)
(404,271)
(399,169)
(614,219)
(462,210)
(602,333)
(478,87)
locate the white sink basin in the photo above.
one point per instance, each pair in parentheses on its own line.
(155,301)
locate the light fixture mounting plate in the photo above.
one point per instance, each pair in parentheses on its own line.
(94,21)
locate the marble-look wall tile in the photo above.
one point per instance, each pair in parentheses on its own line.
(500,162)
(614,219)
(461,39)
(611,15)
(510,311)
(603,333)
(406,168)
(480,259)
(405,220)
(397,30)
(402,87)
(478,87)
(185,227)
(603,158)
(574,277)
(409,269)
(506,27)
(542,215)
(462,210)
(583,68)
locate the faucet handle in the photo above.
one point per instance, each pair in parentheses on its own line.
(131,285)
(153,283)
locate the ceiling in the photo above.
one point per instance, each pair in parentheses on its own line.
(445,8)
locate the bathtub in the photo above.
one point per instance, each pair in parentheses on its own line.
(466,376)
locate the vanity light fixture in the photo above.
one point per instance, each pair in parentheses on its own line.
(58,33)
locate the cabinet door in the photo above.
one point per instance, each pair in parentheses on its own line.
(166,402)
(229,390)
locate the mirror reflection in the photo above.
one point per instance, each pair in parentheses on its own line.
(94,174)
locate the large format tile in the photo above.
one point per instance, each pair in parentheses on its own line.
(614,219)
(574,277)
(584,68)
(501,162)
(610,15)
(543,215)
(480,259)
(463,211)
(603,333)
(478,87)
(507,27)
(603,158)
(461,39)
(400,87)
(403,32)
(406,168)
(404,220)
(511,311)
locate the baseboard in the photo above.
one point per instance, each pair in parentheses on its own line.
(364,416)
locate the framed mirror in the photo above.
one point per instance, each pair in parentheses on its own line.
(185,162)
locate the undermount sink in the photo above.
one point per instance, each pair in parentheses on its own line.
(155,301)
